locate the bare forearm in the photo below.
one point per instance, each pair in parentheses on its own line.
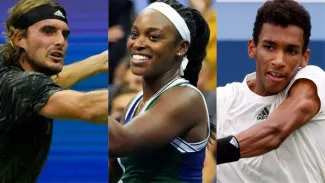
(96,102)
(301,105)
(254,141)
(76,72)
(269,134)
(258,140)
(116,137)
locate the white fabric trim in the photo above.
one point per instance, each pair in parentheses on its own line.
(178,22)
(174,17)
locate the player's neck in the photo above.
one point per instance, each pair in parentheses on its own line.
(24,64)
(153,84)
(256,86)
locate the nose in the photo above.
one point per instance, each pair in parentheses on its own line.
(139,44)
(60,40)
(279,60)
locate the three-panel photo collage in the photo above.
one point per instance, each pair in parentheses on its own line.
(162,91)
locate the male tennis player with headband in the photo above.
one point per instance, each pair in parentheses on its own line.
(37,33)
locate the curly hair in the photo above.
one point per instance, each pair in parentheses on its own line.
(10,52)
(283,13)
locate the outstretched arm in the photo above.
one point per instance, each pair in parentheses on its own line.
(164,122)
(115,170)
(301,105)
(76,72)
(68,104)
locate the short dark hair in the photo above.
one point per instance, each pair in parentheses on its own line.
(283,13)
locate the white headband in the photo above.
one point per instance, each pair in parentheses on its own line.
(174,17)
(178,22)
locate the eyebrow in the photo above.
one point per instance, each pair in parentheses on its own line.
(150,29)
(269,42)
(289,45)
(67,31)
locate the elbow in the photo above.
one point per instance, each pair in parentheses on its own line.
(94,114)
(275,143)
(83,108)
(275,137)
(87,115)
(94,107)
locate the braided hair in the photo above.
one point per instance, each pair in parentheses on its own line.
(200,34)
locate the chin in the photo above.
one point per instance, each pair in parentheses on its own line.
(138,71)
(56,71)
(275,90)
(51,71)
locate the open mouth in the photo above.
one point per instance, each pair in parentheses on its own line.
(140,58)
(276,77)
(57,55)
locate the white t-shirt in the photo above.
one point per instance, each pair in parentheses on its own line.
(299,159)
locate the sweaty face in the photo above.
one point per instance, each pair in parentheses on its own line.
(152,44)
(278,56)
(45,46)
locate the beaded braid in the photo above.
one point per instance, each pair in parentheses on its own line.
(200,34)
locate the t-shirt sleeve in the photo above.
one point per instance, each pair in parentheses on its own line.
(30,91)
(225,98)
(317,76)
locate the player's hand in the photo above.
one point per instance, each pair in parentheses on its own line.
(103,59)
(115,33)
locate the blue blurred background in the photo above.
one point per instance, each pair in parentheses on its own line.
(79,151)
(235,27)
